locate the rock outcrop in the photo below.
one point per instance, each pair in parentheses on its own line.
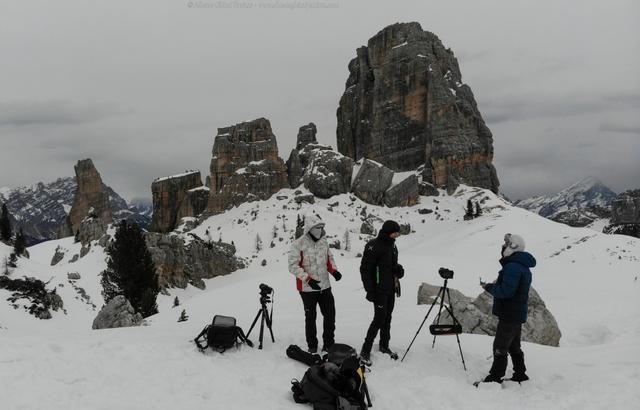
(92,229)
(245,165)
(179,262)
(404,193)
(306,135)
(327,173)
(405,106)
(117,313)
(91,198)
(176,197)
(625,214)
(475,315)
(371,182)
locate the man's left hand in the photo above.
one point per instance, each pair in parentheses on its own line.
(337,275)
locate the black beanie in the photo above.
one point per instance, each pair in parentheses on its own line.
(389,227)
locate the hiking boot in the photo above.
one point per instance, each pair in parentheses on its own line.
(519,377)
(386,350)
(312,349)
(364,358)
(492,379)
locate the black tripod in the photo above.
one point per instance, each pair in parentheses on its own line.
(438,329)
(265,318)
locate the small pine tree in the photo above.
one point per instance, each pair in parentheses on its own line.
(20,244)
(258,243)
(299,226)
(275,232)
(183,316)
(478,210)
(469,213)
(176,302)
(284,223)
(13,260)
(347,240)
(5,267)
(5,224)
(130,270)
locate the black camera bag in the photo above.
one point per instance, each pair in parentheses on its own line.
(221,334)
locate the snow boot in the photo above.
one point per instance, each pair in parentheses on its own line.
(365,357)
(519,377)
(386,350)
(519,368)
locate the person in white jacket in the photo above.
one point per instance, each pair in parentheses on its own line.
(311,262)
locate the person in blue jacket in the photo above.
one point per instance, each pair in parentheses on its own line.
(510,302)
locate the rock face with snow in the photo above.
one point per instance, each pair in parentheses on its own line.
(404,193)
(306,135)
(179,262)
(371,182)
(405,106)
(91,198)
(577,205)
(117,313)
(625,214)
(475,315)
(176,197)
(245,165)
(327,173)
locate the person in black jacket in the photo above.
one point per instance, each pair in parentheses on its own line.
(379,270)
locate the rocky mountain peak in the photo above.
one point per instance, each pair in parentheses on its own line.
(405,106)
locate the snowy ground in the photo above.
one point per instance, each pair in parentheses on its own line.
(588,280)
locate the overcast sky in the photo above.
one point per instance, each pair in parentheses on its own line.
(142,86)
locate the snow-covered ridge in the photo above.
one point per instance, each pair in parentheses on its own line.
(593,368)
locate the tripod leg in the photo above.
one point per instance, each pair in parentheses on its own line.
(269,324)
(443,290)
(261,330)
(254,323)
(422,324)
(464,366)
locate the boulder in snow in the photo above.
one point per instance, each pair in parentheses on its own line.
(117,313)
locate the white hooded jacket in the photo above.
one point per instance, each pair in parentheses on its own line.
(309,258)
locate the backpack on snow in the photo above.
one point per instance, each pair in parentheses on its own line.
(335,384)
(221,334)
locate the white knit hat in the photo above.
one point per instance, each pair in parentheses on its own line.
(512,244)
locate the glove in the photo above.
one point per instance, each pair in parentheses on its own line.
(398,271)
(313,284)
(371,296)
(337,275)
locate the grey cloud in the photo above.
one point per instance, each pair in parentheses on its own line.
(619,128)
(56,112)
(532,107)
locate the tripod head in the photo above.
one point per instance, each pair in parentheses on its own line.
(266,294)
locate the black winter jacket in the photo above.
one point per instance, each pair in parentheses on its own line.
(379,265)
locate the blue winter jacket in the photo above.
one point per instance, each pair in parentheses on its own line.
(511,289)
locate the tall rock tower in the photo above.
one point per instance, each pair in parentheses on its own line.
(91,198)
(405,106)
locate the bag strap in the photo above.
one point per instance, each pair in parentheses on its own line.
(203,333)
(243,338)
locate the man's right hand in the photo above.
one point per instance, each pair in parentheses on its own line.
(371,296)
(313,284)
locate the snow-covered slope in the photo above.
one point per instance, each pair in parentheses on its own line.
(587,279)
(580,204)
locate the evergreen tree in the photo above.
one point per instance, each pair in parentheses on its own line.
(5,267)
(130,270)
(20,244)
(5,224)
(176,302)
(347,240)
(13,260)
(183,316)
(299,226)
(478,210)
(469,213)
(258,243)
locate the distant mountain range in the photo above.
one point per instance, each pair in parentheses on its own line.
(41,209)
(577,205)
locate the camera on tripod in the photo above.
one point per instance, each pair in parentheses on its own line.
(445,273)
(265,293)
